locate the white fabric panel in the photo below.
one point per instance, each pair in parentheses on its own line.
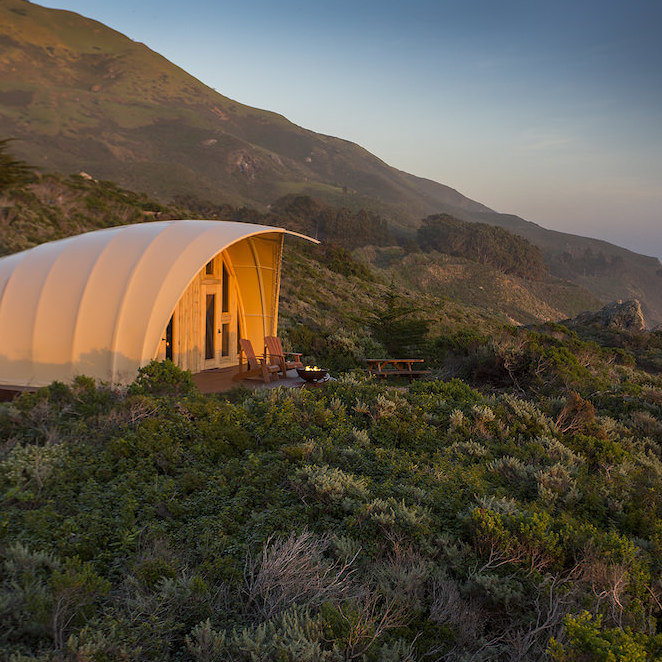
(97,303)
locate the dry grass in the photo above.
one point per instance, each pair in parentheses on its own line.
(293,571)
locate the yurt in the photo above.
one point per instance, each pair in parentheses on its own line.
(107,302)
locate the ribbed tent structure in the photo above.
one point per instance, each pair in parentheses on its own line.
(107,302)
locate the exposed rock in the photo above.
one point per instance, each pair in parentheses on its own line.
(617,316)
(246,165)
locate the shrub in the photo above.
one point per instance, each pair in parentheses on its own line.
(331,485)
(588,640)
(293,572)
(293,636)
(162,378)
(14,173)
(396,519)
(42,595)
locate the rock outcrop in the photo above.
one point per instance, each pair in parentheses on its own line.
(616,316)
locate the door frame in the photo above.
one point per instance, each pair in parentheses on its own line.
(212,284)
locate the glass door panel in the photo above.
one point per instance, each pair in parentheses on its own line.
(169,353)
(228,317)
(219,315)
(210,327)
(225,340)
(225,296)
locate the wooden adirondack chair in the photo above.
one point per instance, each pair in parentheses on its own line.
(257,366)
(275,353)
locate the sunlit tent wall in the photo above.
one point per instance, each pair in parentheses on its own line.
(107,302)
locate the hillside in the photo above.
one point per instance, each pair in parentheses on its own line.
(516,300)
(54,207)
(79,96)
(507,509)
(512,516)
(82,96)
(357,521)
(608,271)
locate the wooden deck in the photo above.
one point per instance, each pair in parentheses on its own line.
(217,381)
(209,381)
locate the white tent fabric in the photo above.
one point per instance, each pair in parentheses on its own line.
(97,303)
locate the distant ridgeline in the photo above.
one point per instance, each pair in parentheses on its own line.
(487,244)
(302,213)
(50,207)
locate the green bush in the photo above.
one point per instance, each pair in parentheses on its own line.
(588,641)
(162,378)
(362,519)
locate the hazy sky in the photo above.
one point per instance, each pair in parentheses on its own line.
(551,110)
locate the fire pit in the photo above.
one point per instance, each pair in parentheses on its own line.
(313,374)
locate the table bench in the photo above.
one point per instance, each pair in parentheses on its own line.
(395,368)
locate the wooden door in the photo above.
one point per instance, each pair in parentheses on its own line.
(211,326)
(228,317)
(219,315)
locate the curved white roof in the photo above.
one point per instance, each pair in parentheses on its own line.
(97,303)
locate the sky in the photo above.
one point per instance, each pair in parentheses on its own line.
(548,110)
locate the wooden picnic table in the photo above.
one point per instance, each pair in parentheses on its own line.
(395,367)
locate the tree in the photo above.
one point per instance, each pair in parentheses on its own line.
(396,325)
(14,173)
(486,244)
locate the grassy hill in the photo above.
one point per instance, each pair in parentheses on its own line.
(355,522)
(517,300)
(82,96)
(609,272)
(79,96)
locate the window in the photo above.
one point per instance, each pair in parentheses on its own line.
(210,324)
(168,341)
(225,295)
(225,340)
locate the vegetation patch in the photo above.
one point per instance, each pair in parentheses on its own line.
(507,508)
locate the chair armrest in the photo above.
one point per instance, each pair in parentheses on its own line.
(297,354)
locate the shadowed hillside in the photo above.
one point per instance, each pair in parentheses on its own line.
(83,96)
(609,272)
(80,96)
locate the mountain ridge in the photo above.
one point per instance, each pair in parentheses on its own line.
(107,78)
(81,96)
